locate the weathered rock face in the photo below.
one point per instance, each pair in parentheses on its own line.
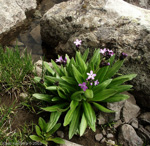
(128,137)
(141,3)
(113,24)
(12,15)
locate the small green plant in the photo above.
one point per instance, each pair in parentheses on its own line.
(44,135)
(14,68)
(76,85)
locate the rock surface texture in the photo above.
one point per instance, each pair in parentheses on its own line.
(114,24)
(12,15)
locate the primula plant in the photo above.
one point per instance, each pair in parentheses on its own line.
(76,86)
(45,130)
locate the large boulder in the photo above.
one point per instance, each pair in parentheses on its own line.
(12,16)
(113,24)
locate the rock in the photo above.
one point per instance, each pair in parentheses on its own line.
(130,111)
(13,15)
(147,128)
(37,14)
(35,33)
(104,132)
(145,117)
(60,134)
(69,143)
(135,123)
(103,140)
(116,25)
(98,137)
(143,133)
(104,118)
(141,3)
(110,142)
(116,106)
(23,96)
(128,137)
(109,135)
(117,124)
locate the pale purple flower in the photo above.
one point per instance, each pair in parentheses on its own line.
(78,42)
(91,83)
(110,52)
(102,51)
(96,82)
(83,86)
(123,56)
(65,60)
(60,59)
(91,75)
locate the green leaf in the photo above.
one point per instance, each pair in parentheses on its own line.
(90,115)
(77,75)
(122,88)
(76,95)
(69,114)
(121,79)
(114,69)
(69,80)
(38,131)
(57,107)
(61,94)
(83,125)
(68,59)
(74,123)
(101,86)
(80,62)
(60,73)
(116,98)
(88,93)
(49,69)
(42,124)
(37,79)
(54,129)
(44,97)
(101,73)
(104,94)
(53,120)
(96,57)
(102,108)
(57,140)
(111,60)
(35,138)
(56,99)
(51,88)
(85,55)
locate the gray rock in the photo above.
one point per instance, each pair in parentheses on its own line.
(147,128)
(142,132)
(69,143)
(35,33)
(98,137)
(103,140)
(130,111)
(104,132)
(135,123)
(110,142)
(117,124)
(145,117)
(60,134)
(23,96)
(115,24)
(104,118)
(13,14)
(128,137)
(116,106)
(110,135)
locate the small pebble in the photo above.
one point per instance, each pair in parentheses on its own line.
(110,143)
(104,132)
(60,134)
(98,137)
(103,140)
(109,135)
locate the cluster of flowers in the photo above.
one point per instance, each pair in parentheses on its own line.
(90,80)
(106,53)
(62,61)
